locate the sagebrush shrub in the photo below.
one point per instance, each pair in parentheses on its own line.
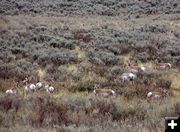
(83,86)
(117,70)
(107,58)
(161,83)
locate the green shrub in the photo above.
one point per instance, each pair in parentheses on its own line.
(6,56)
(64,57)
(108,58)
(51,113)
(17,50)
(161,83)
(83,86)
(117,70)
(62,43)
(1,118)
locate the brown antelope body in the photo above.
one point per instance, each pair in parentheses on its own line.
(103,92)
(28,86)
(136,68)
(13,90)
(42,84)
(157,95)
(164,66)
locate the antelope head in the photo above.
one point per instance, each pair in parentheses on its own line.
(52,80)
(165,92)
(169,65)
(17,84)
(96,86)
(25,81)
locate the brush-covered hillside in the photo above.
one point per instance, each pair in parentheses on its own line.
(77,44)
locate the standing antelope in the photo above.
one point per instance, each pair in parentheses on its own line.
(12,90)
(29,87)
(136,69)
(40,85)
(154,95)
(164,66)
(50,89)
(103,92)
(157,95)
(127,77)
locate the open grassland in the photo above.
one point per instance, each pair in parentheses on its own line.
(81,112)
(79,46)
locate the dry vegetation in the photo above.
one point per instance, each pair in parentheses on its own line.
(79,44)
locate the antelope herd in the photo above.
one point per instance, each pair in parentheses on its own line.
(31,87)
(130,75)
(12,90)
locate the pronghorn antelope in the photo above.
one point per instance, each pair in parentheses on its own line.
(157,95)
(12,90)
(136,69)
(132,76)
(164,66)
(41,85)
(154,95)
(103,92)
(127,77)
(29,87)
(50,89)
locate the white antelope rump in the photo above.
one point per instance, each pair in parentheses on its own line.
(29,86)
(41,85)
(12,90)
(164,66)
(127,77)
(48,86)
(50,89)
(103,92)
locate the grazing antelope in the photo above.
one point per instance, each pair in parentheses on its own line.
(132,76)
(157,95)
(127,77)
(154,95)
(29,87)
(124,77)
(40,85)
(164,66)
(136,69)
(50,89)
(103,92)
(12,90)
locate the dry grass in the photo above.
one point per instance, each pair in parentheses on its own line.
(112,114)
(41,73)
(67,109)
(80,52)
(83,22)
(174,76)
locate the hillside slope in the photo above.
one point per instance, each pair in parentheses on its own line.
(80,43)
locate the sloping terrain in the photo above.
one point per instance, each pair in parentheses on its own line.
(80,43)
(136,8)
